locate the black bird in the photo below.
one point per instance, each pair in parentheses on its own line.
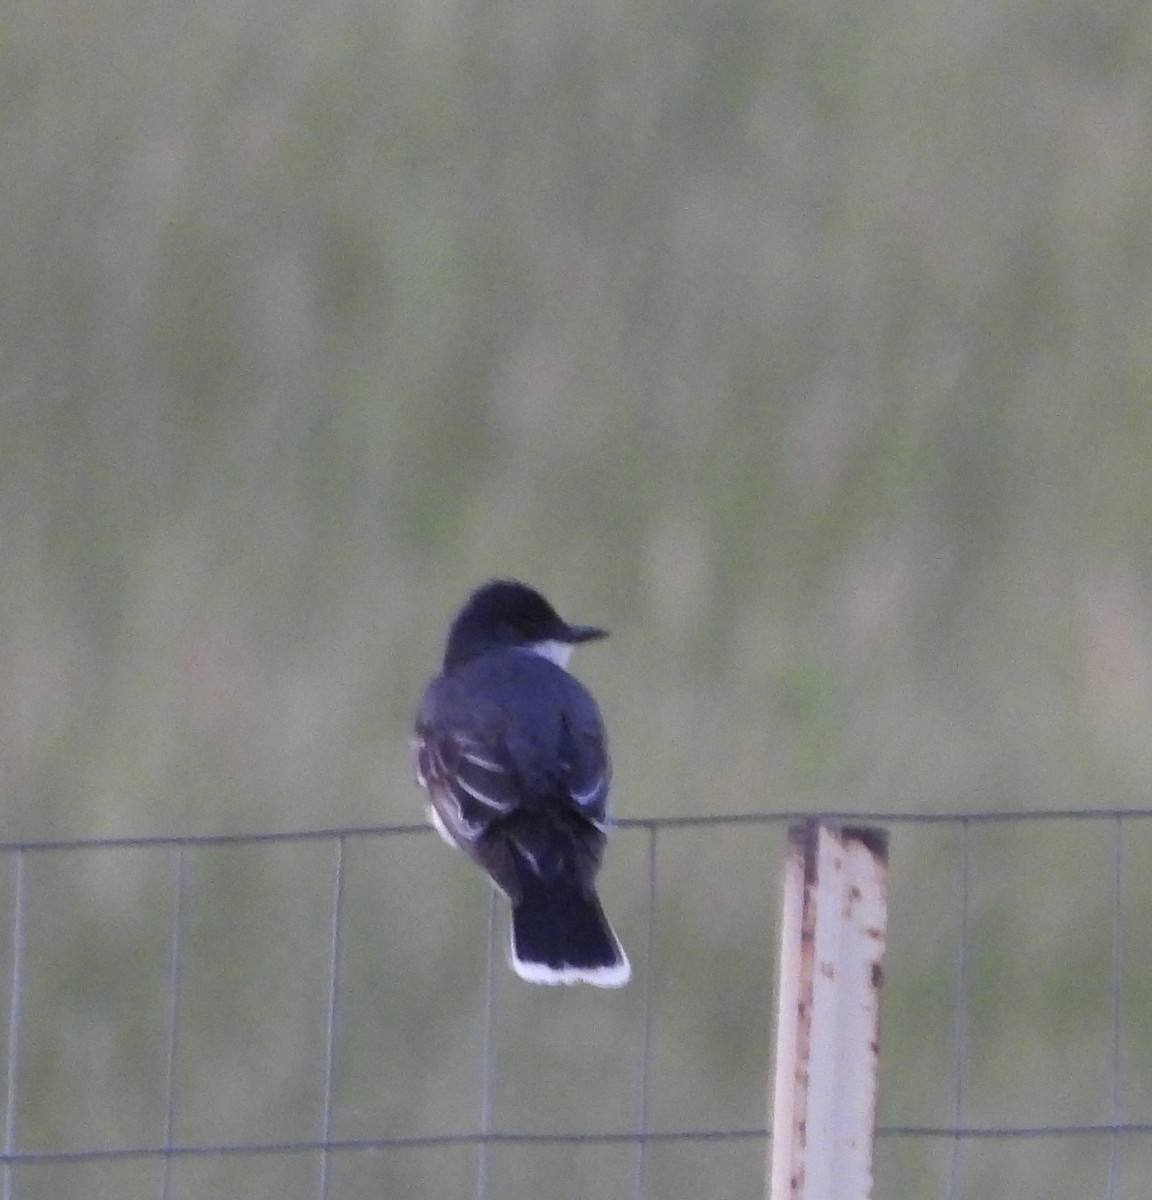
(513,754)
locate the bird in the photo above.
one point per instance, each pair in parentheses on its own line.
(512,752)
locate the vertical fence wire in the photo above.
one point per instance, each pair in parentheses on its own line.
(487,1063)
(1115,1082)
(960,1016)
(643,1105)
(331,1017)
(175,970)
(15,1003)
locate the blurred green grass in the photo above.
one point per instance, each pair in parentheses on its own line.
(806,348)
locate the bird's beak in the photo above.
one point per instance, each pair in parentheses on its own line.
(584,633)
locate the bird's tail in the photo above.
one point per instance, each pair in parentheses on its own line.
(560,935)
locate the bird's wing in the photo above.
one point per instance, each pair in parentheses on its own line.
(468,784)
(589,774)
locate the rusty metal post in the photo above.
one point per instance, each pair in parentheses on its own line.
(833,931)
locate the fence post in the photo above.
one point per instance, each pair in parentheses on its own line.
(833,930)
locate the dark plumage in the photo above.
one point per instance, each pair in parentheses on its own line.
(512,752)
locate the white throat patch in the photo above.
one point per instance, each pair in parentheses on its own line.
(553,651)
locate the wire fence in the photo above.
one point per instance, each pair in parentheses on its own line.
(1032,921)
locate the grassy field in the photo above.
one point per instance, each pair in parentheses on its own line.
(806,347)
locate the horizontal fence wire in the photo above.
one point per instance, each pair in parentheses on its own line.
(508,1137)
(484,1137)
(335,833)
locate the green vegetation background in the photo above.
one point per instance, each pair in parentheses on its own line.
(808,346)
